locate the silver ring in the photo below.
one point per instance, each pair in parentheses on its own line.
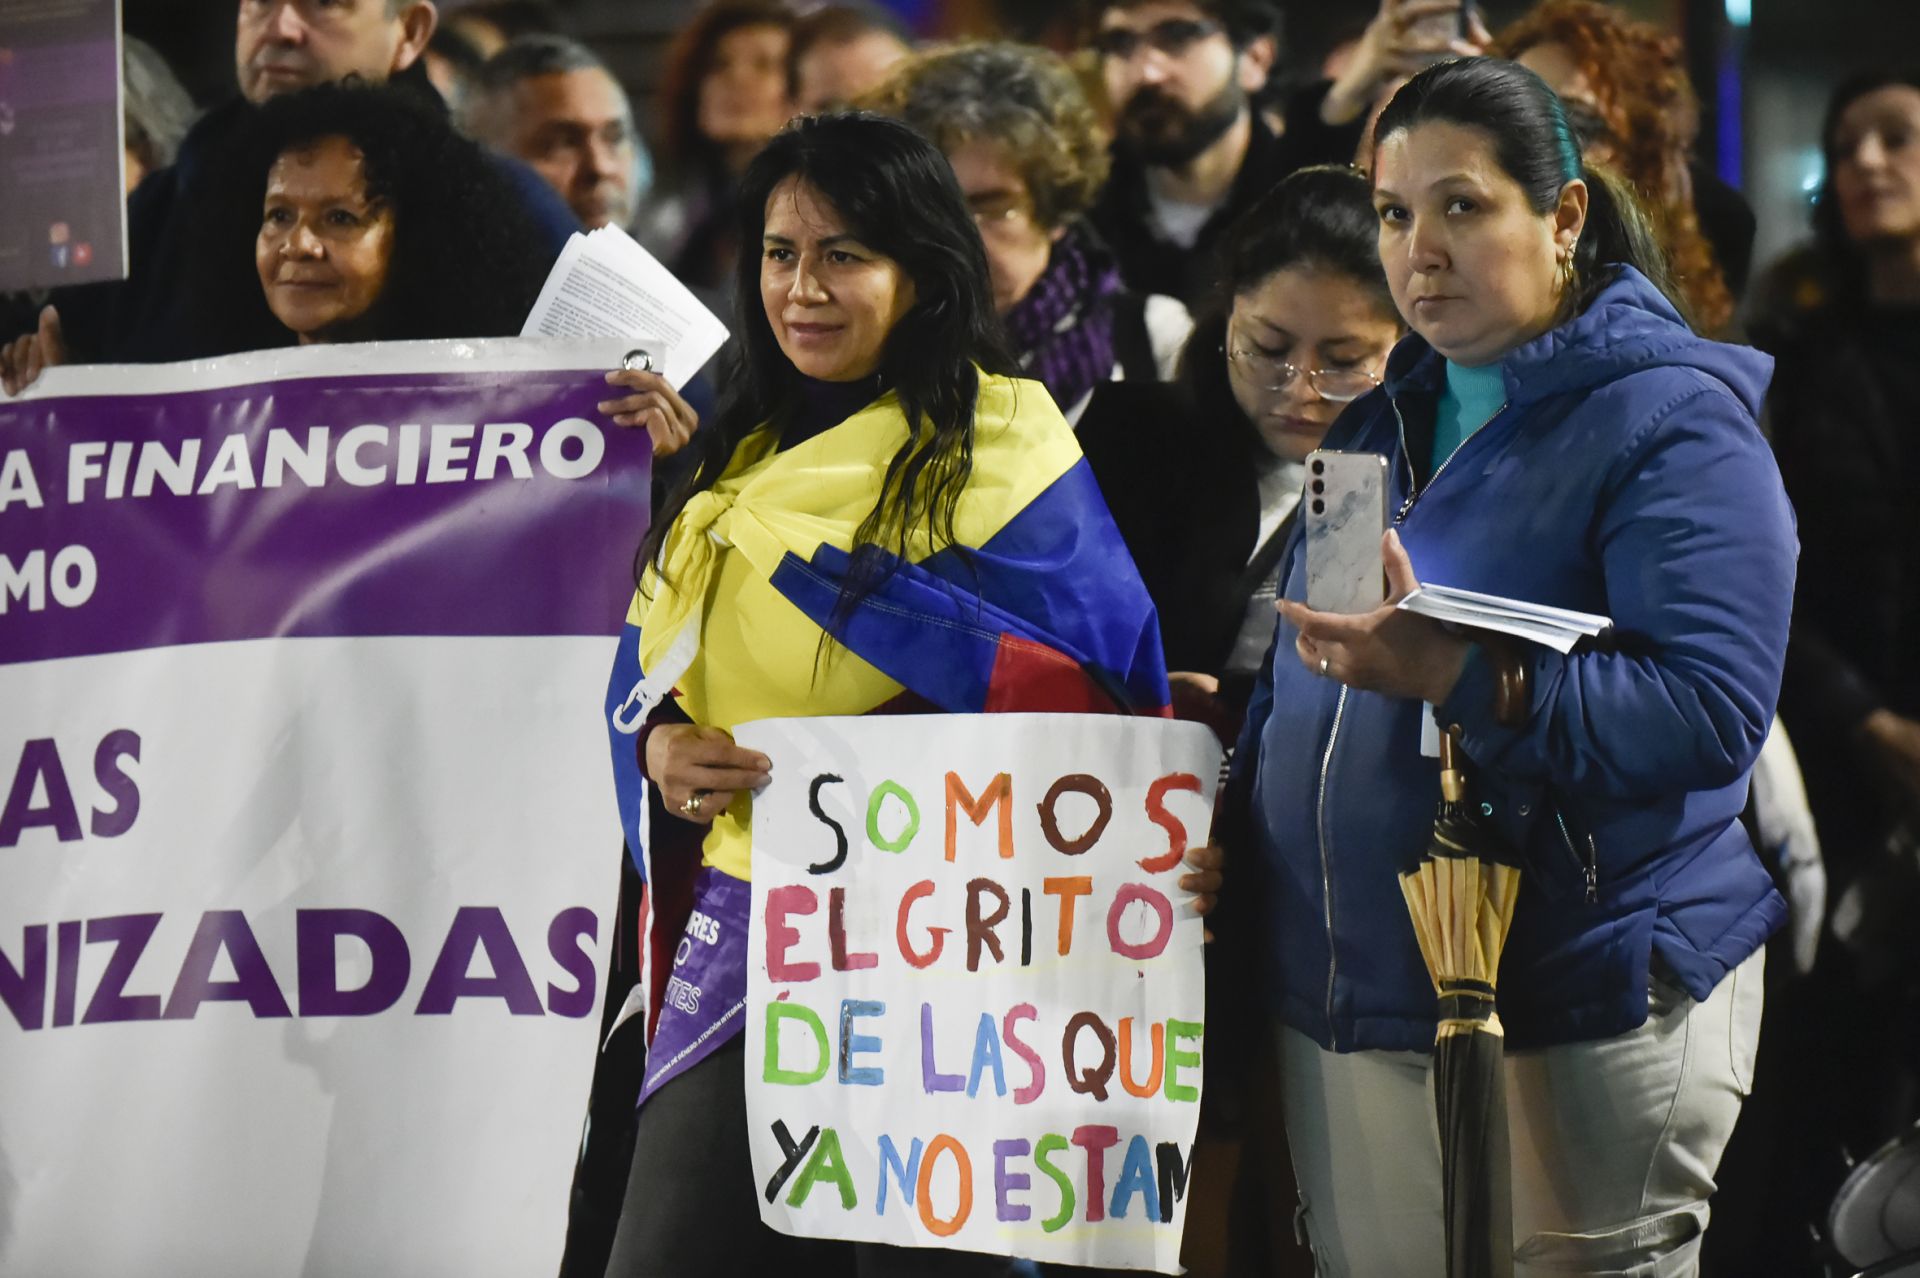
(1324,663)
(639,358)
(692,806)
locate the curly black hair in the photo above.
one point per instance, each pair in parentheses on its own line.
(468,260)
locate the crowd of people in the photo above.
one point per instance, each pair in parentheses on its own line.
(1082,319)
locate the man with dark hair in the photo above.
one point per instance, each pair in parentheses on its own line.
(550,102)
(279,46)
(839,52)
(1191,153)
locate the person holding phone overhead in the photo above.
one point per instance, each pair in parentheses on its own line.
(881,521)
(1554,432)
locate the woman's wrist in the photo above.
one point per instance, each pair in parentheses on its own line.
(1449,666)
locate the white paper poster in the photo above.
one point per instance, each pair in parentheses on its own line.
(975,1000)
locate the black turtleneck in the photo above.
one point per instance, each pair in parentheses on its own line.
(822,405)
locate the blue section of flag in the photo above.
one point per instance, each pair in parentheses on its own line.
(628,785)
(1056,576)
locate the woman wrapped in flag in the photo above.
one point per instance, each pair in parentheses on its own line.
(880,520)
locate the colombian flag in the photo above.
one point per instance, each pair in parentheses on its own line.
(1036,606)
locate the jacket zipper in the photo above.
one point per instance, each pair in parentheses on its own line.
(1414,491)
(1589,860)
(1326,864)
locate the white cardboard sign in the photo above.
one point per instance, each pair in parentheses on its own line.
(975,999)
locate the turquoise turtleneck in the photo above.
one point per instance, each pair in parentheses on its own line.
(1469,401)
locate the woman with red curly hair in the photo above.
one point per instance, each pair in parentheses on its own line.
(1626,92)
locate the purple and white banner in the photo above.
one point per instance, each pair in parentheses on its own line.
(308,854)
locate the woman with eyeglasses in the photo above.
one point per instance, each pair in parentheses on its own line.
(1299,328)
(1025,145)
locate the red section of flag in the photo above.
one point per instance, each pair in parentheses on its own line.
(1033,678)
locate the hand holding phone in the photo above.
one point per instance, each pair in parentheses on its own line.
(1346,515)
(1434,30)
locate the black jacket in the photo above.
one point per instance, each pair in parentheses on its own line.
(1124,216)
(1845,417)
(1184,490)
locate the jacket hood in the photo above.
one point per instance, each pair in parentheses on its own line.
(1628,328)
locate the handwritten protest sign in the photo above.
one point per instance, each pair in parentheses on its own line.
(975,1003)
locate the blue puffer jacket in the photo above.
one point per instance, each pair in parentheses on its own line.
(1625,476)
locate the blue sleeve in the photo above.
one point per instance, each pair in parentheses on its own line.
(1696,542)
(542,203)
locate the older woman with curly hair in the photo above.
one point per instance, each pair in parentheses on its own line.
(1025,144)
(1626,91)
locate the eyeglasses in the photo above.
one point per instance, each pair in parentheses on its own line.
(1268,372)
(995,210)
(1172,37)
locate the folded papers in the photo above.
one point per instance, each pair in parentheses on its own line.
(606,285)
(1558,628)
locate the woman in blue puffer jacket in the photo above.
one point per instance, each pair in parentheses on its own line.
(1556,433)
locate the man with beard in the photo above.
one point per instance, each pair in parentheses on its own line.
(279,46)
(1191,153)
(550,102)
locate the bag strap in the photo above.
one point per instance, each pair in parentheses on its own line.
(1267,558)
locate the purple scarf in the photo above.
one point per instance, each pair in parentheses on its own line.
(1062,330)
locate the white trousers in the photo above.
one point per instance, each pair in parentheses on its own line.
(1614,1143)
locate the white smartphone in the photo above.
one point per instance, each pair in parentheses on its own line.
(1346,515)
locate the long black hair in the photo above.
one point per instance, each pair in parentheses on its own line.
(1534,144)
(898,196)
(467,258)
(1841,258)
(1320,218)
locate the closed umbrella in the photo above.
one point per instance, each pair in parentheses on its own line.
(1461,897)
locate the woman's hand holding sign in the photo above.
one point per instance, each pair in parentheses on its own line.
(22,359)
(1203,876)
(699,771)
(654,404)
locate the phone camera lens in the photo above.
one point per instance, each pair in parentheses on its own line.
(1319,486)
(1319,468)
(1319,507)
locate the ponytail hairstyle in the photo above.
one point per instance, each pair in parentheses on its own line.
(898,196)
(1526,126)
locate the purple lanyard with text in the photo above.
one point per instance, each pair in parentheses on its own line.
(706,996)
